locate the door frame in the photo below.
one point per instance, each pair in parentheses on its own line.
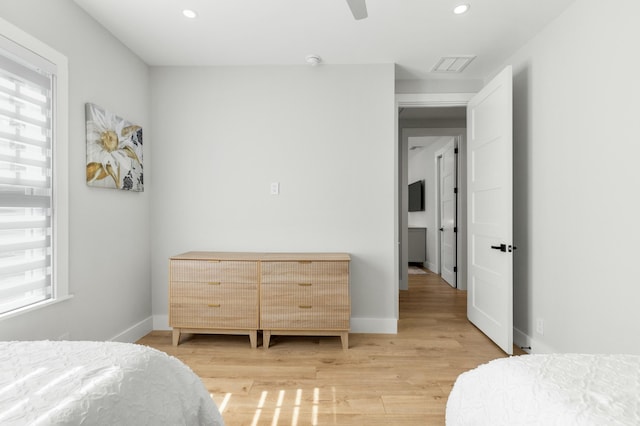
(408,100)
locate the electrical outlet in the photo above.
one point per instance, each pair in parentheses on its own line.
(275,188)
(540,326)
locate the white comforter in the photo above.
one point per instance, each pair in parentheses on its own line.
(559,389)
(99,383)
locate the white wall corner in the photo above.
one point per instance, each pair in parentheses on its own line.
(525,342)
(374,325)
(135,332)
(161,322)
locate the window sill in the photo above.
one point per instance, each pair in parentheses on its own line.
(35,307)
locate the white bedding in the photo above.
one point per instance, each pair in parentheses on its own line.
(99,383)
(558,389)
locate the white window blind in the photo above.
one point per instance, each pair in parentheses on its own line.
(26,182)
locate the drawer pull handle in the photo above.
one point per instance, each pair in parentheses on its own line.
(304,262)
(214,283)
(213,261)
(304,306)
(304,284)
(214,305)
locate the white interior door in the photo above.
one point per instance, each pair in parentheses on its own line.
(448,188)
(490,210)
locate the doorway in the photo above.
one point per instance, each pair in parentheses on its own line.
(490,133)
(433,123)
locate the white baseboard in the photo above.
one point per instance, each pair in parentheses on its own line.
(525,342)
(358,325)
(521,340)
(135,332)
(374,325)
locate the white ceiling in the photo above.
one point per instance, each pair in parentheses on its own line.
(413,34)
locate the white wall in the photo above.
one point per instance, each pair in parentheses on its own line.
(109,229)
(439,85)
(576,181)
(325,133)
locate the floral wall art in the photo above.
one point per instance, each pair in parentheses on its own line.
(114,151)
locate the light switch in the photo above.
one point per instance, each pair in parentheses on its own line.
(275,188)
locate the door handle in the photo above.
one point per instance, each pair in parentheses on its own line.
(441,229)
(504,248)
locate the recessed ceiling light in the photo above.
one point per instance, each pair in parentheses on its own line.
(189,13)
(459,10)
(313,60)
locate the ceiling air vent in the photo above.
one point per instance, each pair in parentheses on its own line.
(453,64)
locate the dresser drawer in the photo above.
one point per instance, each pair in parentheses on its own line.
(305,317)
(295,272)
(224,305)
(213,271)
(207,291)
(304,305)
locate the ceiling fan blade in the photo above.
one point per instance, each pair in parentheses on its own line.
(358,8)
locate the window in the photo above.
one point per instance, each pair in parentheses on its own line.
(33,183)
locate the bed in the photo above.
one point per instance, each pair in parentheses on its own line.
(557,389)
(99,383)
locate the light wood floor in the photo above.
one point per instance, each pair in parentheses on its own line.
(401,379)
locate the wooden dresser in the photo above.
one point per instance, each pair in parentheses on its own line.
(215,293)
(278,293)
(305,294)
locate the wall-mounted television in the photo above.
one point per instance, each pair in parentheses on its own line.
(416,196)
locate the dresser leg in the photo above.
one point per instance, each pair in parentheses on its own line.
(176,336)
(253,337)
(345,340)
(266,336)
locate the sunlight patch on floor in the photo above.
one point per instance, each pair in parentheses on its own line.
(280,407)
(223,404)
